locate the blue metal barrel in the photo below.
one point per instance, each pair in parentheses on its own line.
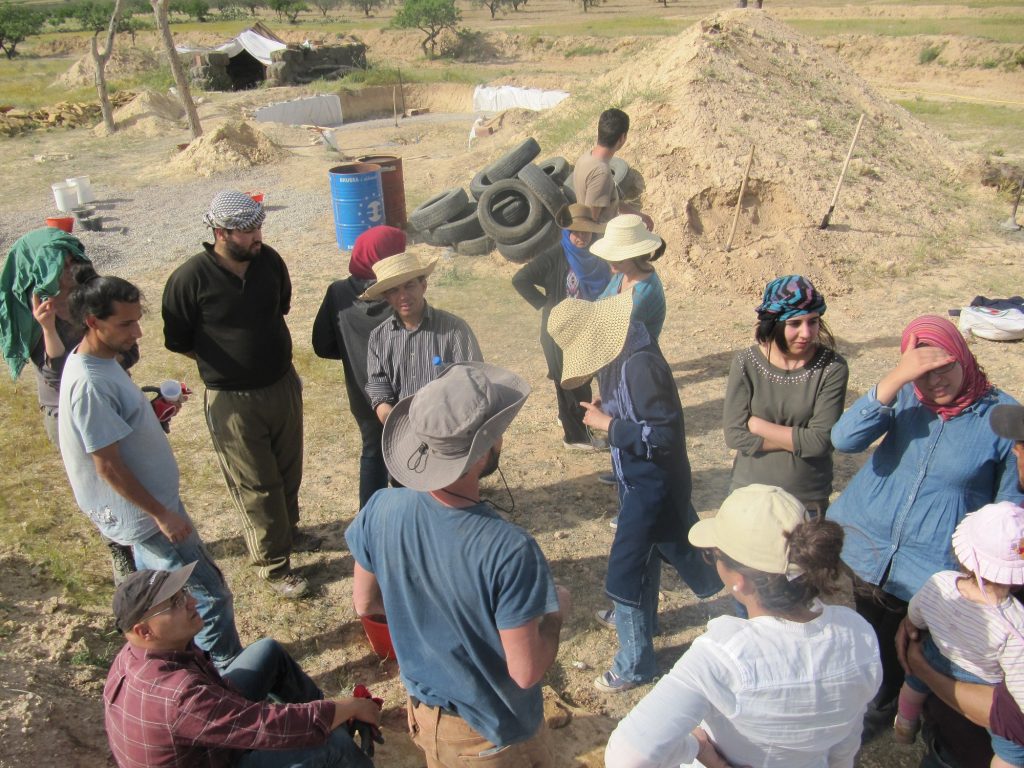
(357,199)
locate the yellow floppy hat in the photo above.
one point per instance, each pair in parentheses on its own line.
(590,333)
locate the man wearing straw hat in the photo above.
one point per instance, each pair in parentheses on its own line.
(592,175)
(225,309)
(473,611)
(408,350)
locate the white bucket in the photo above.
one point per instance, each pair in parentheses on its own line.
(65,196)
(85,194)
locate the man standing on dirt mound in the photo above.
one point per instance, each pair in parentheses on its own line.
(592,176)
(225,309)
(473,611)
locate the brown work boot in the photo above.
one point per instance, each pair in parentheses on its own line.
(291,585)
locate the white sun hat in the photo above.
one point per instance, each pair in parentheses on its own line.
(626,237)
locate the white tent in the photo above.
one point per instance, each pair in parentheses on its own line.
(259,41)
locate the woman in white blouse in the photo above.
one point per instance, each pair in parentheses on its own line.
(786,687)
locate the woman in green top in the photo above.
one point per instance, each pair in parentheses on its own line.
(784,394)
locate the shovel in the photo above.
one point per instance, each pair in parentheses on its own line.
(842,174)
(739,200)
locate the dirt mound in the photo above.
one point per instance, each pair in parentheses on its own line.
(235,144)
(150,114)
(123,61)
(698,101)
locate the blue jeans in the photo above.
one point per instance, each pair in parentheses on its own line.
(264,669)
(1009,751)
(213,598)
(373,473)
(636,628)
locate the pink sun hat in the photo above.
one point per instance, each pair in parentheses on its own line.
(990,543)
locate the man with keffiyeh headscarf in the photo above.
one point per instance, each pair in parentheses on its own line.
(225,309)
(341,331)
(938,459)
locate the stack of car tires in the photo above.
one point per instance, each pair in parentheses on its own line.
(513,207)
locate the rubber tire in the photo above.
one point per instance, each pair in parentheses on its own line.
(546,237)
(619,169)
(558,168)
(543,186)
(439,209)
(466,227)
(511,211)
(503,189)
(508,166)
(570,195)
(479,246)
(477,186)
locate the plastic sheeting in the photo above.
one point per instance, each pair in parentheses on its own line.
(324,110)
(257,45)
(496,98)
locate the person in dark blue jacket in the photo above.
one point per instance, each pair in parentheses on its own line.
(641,412)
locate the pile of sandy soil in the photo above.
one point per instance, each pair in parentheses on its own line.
(234,144)
(698,101)
(123,61)
(149,114)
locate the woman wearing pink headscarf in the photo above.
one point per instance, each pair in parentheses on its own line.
(938,460)
(341,331)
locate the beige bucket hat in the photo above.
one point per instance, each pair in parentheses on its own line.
(626,237)
(578,218)
(751,528)
(396,270)
(590,333)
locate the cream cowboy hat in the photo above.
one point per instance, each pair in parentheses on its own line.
(626,237)
(432,437)
(396,270)
(590,333)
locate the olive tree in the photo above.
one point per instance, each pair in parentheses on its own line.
(432,17)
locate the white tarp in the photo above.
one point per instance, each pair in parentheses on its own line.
(324,110)
(488,98)
(257,45)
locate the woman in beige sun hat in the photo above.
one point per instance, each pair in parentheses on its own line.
(630,249)
(640,410)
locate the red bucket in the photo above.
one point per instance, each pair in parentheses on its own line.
(376,628)
(257,197)
(67,223)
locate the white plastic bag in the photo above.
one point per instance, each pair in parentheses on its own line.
(992,324)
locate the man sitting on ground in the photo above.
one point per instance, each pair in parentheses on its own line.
(166,705)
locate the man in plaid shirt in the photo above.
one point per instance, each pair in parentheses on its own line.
(166,705)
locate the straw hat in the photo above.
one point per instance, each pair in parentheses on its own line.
(990,543)
(396,270)
(578,218)
(431,437)
(590,333)
(751,528)
(626,237)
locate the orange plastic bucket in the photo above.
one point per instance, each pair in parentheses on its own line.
(376,628)
(67,223)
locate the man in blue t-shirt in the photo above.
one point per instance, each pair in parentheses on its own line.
(473,611)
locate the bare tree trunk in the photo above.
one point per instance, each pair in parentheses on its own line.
(180,79)
(100,60)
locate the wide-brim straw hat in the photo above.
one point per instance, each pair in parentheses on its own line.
(590,333)
(432,437)
(625,237)
(751,527)
(990,543)
(396,270)
(578,218)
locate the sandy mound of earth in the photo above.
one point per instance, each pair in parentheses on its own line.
(697,103)
(150,114)
(123,61)
(235,144)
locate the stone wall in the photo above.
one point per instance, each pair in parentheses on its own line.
(293,65)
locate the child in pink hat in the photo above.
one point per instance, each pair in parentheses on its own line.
(976,629)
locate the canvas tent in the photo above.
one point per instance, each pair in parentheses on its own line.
(249,54)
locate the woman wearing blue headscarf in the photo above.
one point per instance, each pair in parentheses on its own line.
(784,394)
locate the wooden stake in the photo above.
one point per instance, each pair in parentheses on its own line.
(739,200)
(842,175)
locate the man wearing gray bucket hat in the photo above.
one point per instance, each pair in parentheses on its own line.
(225,309)
(473,611)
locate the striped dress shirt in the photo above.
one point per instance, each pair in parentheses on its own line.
(400,361)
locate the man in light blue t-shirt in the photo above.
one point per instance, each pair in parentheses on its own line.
(119,460)
(473,611)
